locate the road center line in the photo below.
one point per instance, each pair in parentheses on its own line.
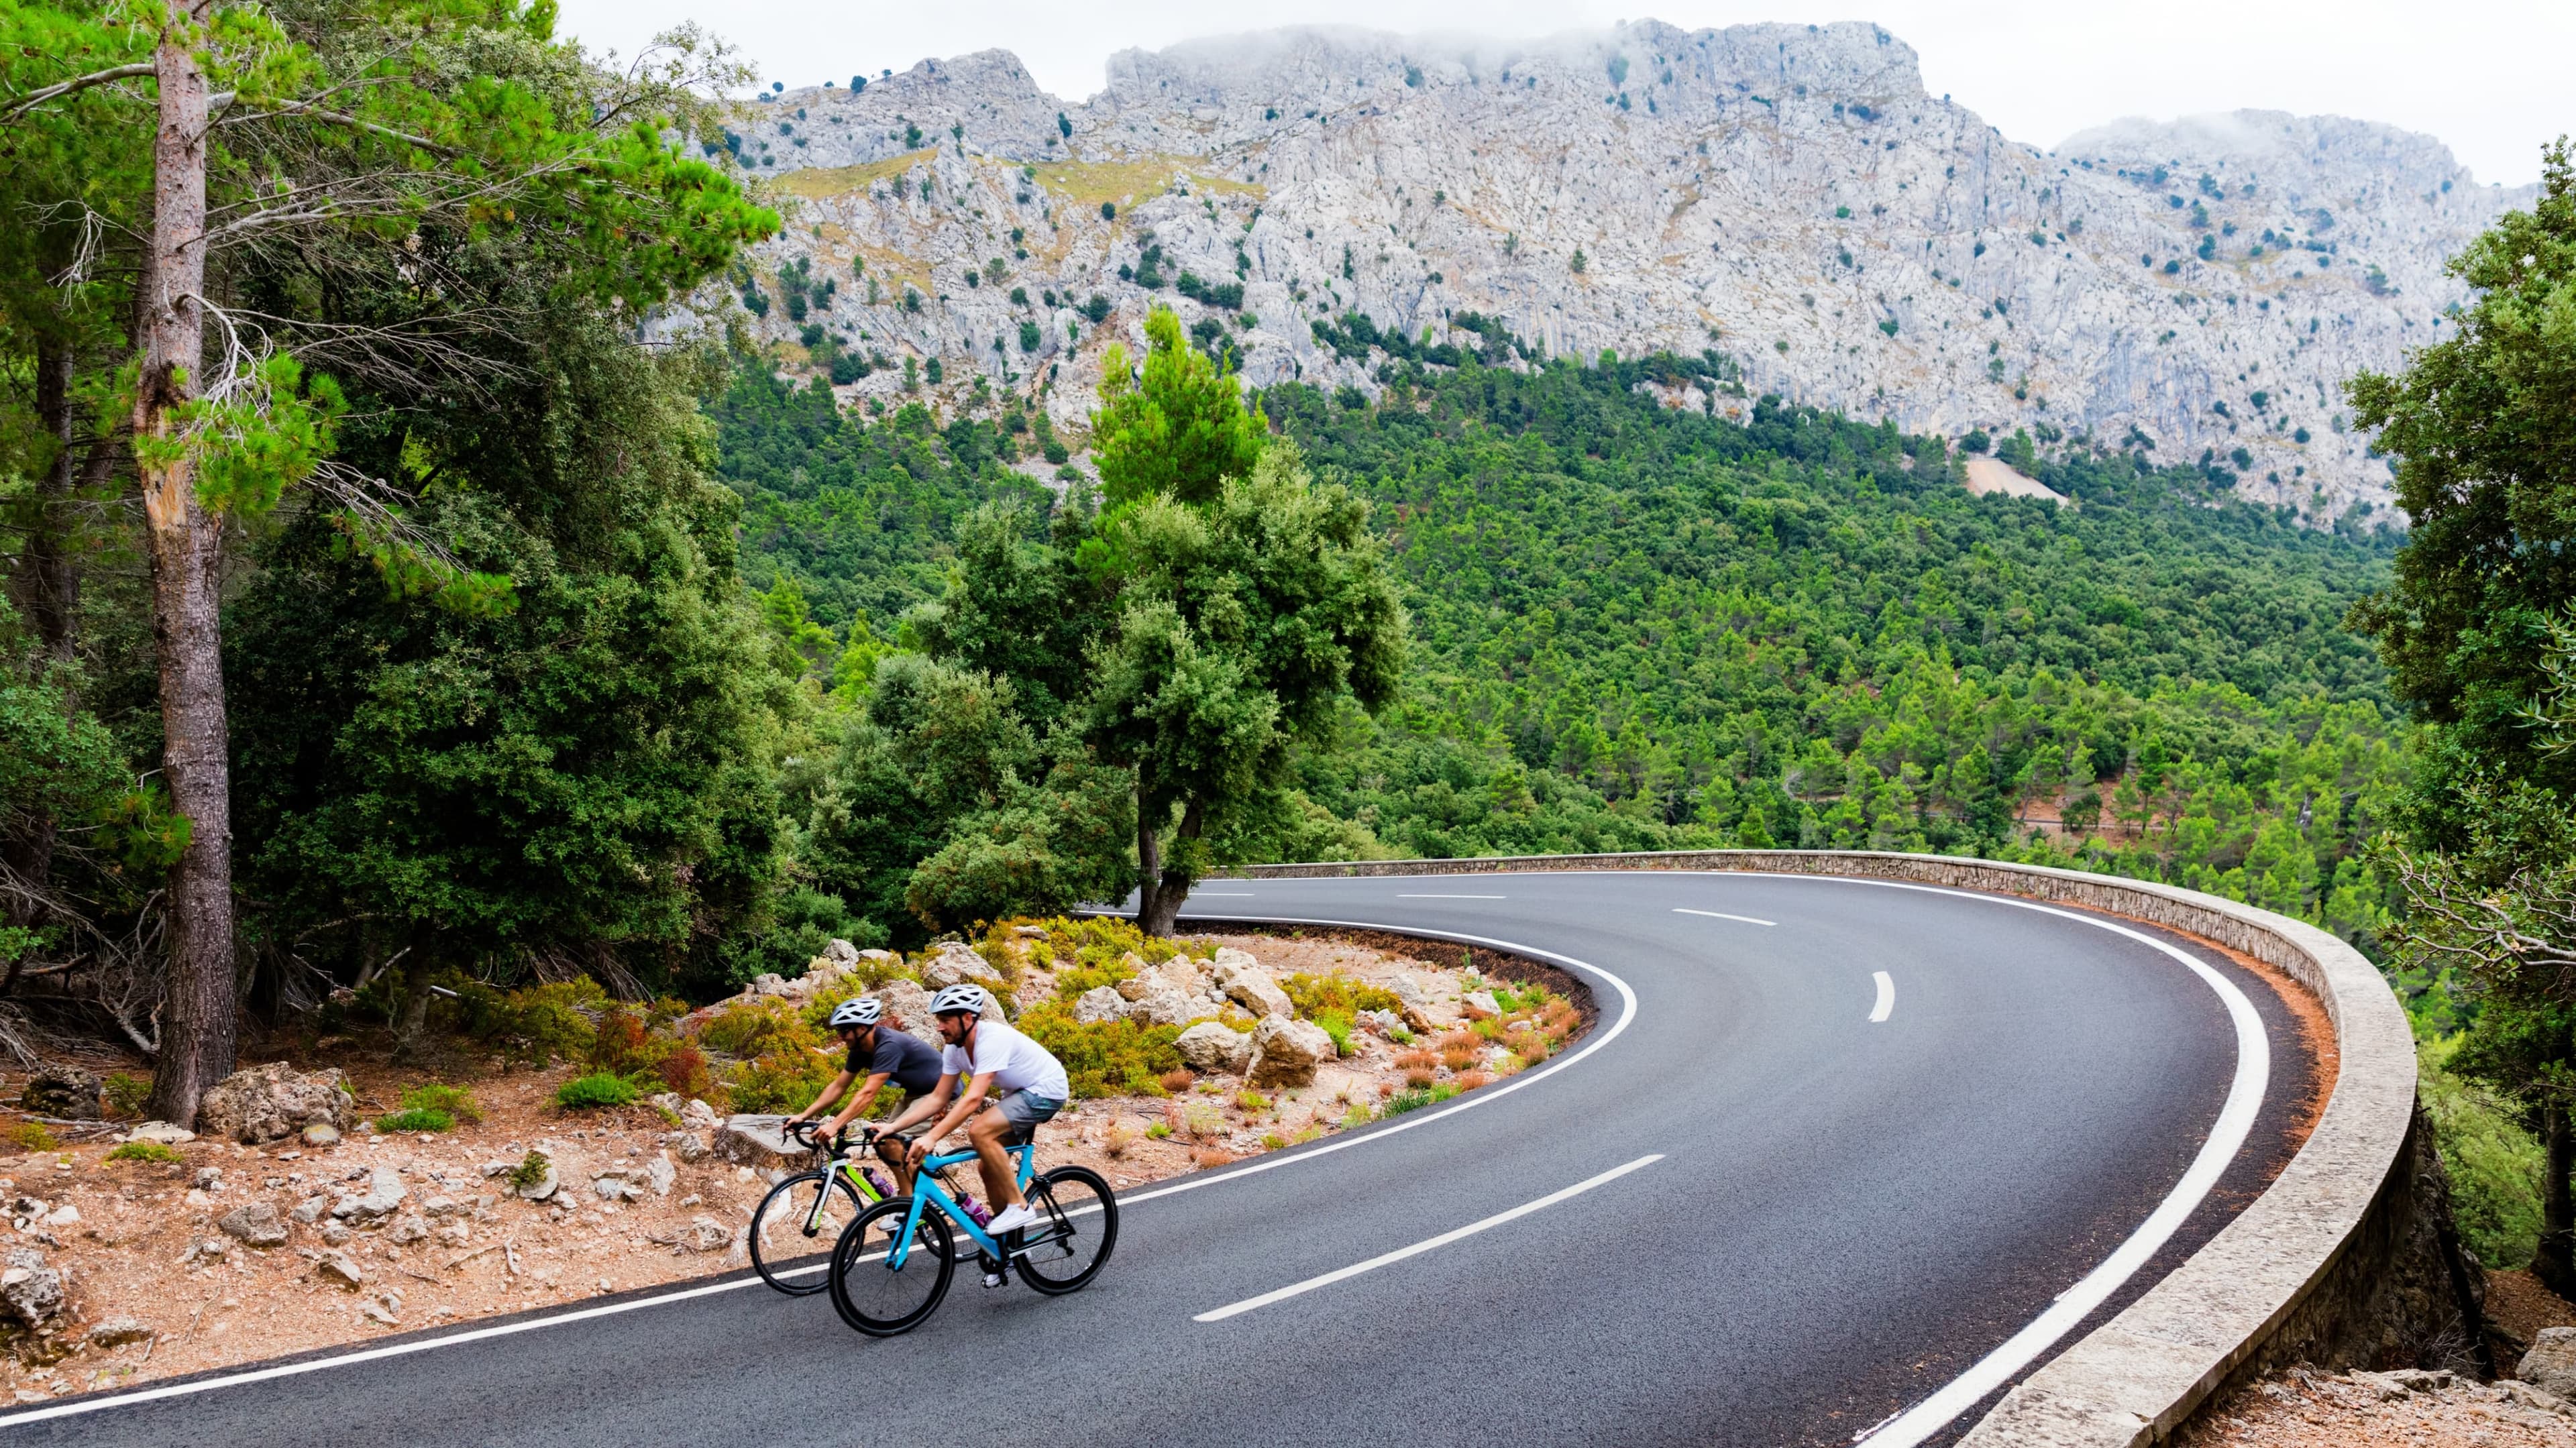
(1886,997)
(1722,915)
(1341,1274)
(1220,894)
(1453,897)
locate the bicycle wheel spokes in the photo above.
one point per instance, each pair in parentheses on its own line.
(801,1218)
(1077,1228)
(874,1294)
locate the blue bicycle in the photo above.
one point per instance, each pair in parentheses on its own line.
(893,1264)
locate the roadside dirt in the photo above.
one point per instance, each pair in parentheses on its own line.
(155,1287)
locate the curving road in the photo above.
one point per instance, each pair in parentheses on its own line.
(1830,1147)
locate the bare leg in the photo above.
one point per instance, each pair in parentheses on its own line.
(985,1131)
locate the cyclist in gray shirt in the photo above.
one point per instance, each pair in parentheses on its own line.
(878,1053)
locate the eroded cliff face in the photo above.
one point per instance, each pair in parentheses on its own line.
(1787,196)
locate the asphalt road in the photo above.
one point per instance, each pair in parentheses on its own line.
(1842,1215)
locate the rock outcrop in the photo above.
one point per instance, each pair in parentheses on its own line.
(273,1102)
(1786,197)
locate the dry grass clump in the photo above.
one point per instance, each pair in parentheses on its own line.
(1120,1139)
(1420,1076)
(1470,1080)
(1417,1060)
(1179,1080)
(1460,1050)
(1211,1156)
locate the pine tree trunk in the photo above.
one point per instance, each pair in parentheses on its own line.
(47,580)
(2555,1263)
(1155,907)
(199,1004)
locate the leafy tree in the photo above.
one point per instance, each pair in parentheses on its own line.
(1176,428)
(395,125)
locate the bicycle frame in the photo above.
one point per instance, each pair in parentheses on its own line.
(928,1193)
(847,1167)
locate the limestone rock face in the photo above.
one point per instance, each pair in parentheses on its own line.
(66,1092)
(1100,1003)
(273,1102)
(2551,1364)
(1786,196)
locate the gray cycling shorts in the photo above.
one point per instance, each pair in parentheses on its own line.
(1025,1110)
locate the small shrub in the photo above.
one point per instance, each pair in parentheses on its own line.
(782,1080)
(1158,1131)
(684,1070)
(1207,1157)
(620,1044)
(453,1100)
(1416,1060)
(417,1119)
(1251,1101)
(1315,994)
(32,1135)
(1358,1116)
(534,1025)
(1120,1139)
(1442,1091)
(1410,1099)
(755,1029)
(125,1093)
(599,1089)
(1460,1055)
(1470,1080)
(1105,1058)
(1202,1122)
(146,1151)
(1419,1078)
(530,1171)
(1272,1141)
(1337,1025)
(1177,1081)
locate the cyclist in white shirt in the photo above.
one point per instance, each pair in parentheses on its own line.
(988,1053)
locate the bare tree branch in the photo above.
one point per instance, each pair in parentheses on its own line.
(59,89)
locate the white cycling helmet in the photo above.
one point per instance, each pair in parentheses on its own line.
(858,1011)
(958,998)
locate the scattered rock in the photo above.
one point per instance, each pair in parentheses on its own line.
(1480,1005)
(704,1234)
(255,1224)
(618,1186)
(454,1234)
(1030,932)
(1385,1023)
(339,1269)
(2551,1364)
(840,953)
(310,1210)
(686,1145)
(65,1215)
(383,1311)
(118,1331)
(1211,1046)
(1242,978)
(336,1233)
(909,1003)
(66,1092)
(30,1291)
(162,1132)
(407,1230)
(385,1191)
(273,1102)
(439,1209)
(699,1116)
(1164,1005)
(2524,1395)
(210,1179)
(211,1249)
(660,1174)
(321,1135)
(1100,1003)
(1286,1052)
(1415,1004)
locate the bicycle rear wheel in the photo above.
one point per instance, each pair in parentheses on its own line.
(1077,1229)
(874,1295)
(800,1218)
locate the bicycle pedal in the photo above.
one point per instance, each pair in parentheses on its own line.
(996,1279)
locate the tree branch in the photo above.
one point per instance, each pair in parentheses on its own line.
(59,89)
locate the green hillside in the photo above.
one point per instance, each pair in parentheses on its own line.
(1637,626)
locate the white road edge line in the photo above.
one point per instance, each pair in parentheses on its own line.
(1220,894)
(1384,1132)
(1453,897)
(1886,997)
(1344,1274)
(1722,915)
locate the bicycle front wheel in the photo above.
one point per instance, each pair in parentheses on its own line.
(873,1294)
(1076,1230)
(801,1217)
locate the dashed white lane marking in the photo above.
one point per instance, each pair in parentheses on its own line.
(1486,1224)
(1453,897)
(1220,894)
(1722,915)
(1886,997)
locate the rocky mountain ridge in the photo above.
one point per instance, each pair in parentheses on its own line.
(1784,202)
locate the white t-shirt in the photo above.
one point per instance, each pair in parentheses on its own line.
(1017,1063)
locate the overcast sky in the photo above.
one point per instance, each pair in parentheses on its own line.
(2491,78)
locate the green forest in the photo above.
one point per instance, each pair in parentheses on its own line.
(1641,627)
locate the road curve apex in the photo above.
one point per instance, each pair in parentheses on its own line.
(2135,1378)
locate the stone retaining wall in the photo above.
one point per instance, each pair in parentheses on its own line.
(2346,1258)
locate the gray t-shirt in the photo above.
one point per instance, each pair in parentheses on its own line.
(902,1056)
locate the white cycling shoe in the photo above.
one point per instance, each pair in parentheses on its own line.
(1011,1219)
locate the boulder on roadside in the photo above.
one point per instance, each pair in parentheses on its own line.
(1164,1005)
(2550,1365)
(273,1102)
(686,1145)
(255,1224)
(30,1291)
(704,1234)
(64,1092)
(319,1135)
(385,1192)
(1286,1052)
(908,1002)
(1480,1005)
(1415,1004)
(1242,978)
(311,1209)
(161,1133)
(1212,1046)
(841,953)
(1100,1003)
(757,1141)
(953,963)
